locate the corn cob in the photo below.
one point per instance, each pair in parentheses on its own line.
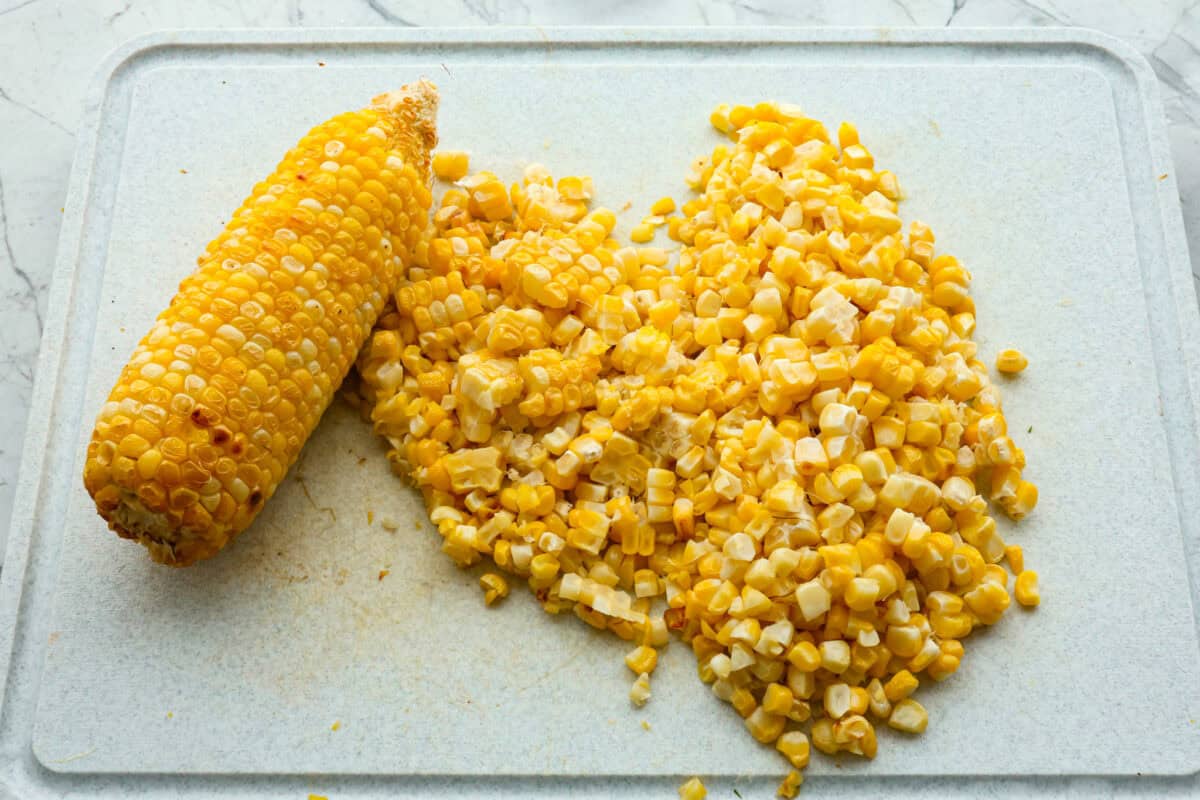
(219,397)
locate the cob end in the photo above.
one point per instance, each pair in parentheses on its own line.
(416,105)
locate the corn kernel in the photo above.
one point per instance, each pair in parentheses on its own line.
(692,789)
(908,716)
(494,587)
(1011,361)
(450,165)
(1026,589)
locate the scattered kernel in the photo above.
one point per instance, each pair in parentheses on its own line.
(642,233)
(1026,589)
(1011,361)
(663,206)
(693,789)
(790,786)
(494,586)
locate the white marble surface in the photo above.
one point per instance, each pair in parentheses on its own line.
(50,48)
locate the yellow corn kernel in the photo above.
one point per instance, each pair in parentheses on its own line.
(823,737)
(494,587)
(450,165)
(692,789)
(1011,361)
(908,716)
(642,233)
(795,748)
(789,787)
(900,686)
(1026,589)
(764,726)
(642,659)
(1016,558)
(663,206)
(805,656)
(778,699)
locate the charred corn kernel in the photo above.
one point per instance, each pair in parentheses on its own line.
(1026,589)
(692,789)
(909,716)
(451,165)
(642,660)
(494,587)
(1011,361)
(639,693)
(234,375)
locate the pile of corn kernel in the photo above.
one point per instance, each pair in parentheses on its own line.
(780,446)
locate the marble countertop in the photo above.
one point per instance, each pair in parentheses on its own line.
(52,47)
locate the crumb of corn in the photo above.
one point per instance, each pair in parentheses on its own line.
(790,786)
(1011,361)
(221,394)
(782,433)
(337,725)
(693,789)
(494,586)
(645,725)
(451,165)
(639,693)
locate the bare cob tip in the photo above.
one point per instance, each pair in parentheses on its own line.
(416,104)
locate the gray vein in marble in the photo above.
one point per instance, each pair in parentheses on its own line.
(1041,12)
(23,276)
(775,14)
(959,5)
(479,9)
(388,15)
(17,7)
(8,98)
(904,9)
(111,18)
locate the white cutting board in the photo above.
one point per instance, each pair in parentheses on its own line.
(1035,156)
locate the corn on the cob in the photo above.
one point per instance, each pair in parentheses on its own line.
(221,394)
